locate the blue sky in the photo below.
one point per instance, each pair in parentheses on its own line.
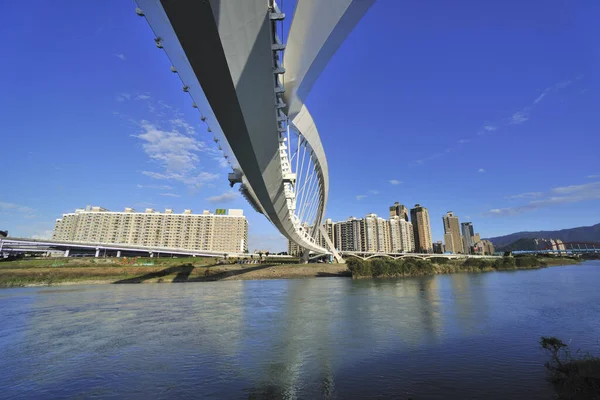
(489,109)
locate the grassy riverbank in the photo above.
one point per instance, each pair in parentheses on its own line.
(65,271)
(387,268)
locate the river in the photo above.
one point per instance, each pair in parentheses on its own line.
(461,336)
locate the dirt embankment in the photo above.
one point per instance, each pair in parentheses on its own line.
(69,271)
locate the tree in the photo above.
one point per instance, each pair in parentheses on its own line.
(554,346)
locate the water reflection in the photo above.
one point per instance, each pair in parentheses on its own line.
(467,303)
(298,346)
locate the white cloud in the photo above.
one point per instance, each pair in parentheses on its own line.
(12,207)
(194,180)
(564,84)
(159,187)
(593,176)
(481,170)
(576,188)
(180,123)
(395,182)
(121,56)
(374,192)
(176,152)
(519,117)
(170,194)
(122,97)
(360,197)
(223,198)
(433,156)
(528,195)
(558,195)
(522,116)
(143,96)
(539,98)
(499,211)
(549,89)
(222,161)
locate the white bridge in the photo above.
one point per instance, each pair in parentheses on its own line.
(421,256)
(20,245)
(250,89)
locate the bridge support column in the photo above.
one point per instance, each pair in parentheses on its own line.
(304,258)
(118,253)
(336,256)
(67,251)
(97,253)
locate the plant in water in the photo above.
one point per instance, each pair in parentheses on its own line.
(554,346)
(574,377)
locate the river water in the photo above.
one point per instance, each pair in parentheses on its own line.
(461,336)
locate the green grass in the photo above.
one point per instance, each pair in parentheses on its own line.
(384,268)
(19,277)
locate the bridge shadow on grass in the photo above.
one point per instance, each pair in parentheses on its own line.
(333,275)
(184,272)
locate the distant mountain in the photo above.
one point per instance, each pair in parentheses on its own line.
(519,244)
(583,234)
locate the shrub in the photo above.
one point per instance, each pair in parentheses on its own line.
(527,261)
(379,267)
(439,260)
(575,377)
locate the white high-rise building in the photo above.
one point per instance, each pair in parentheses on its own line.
(407,236)
(375,234)
(226,230)
(401,235)
(370,234)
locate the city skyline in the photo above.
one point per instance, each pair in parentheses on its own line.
(398,234)
(479,137)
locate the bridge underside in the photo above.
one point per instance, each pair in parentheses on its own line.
(239,88)
(227,51)
(229,56)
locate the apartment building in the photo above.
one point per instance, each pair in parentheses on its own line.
(438,247)
(329,228)
(402,237)
(419,217)
(347,235)
(452,236)
(225,230)
(399,210)
(483,247)
(467,236)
